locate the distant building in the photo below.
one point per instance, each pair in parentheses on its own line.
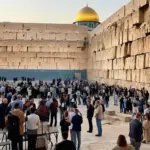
(87,17)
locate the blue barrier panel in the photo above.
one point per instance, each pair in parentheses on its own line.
(41,74)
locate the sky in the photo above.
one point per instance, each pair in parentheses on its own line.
(54,11)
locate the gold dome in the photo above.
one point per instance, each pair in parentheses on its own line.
(87,14)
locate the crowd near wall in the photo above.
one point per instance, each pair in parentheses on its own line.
(43,50)
(119,49)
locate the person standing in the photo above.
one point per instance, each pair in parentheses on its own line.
(135,132)
(15,125)
(33,122)
(3,109)
(65,123)
(76,130)
(90,113)
(99,117)
(65,144)
(146,129)
(107,100)
(71,115)
(19,101)
(53,111)
(146,96)
(147,109)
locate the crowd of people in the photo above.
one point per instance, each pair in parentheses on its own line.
(18,108)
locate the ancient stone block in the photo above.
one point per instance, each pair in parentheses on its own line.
(9,36)
(116,74)
(142,76)
(123,52)
(14,26)
(43,36)
(61,37)
(133,76)
(129,75)
(125,36)
(9,48)
(33,49)
(111,74)
(34,26)
(137,17)
(129,8)
(124,117)
(3,48)
(21,35)
(140,61)
(130,34)
(110,112)
(137,75)
(147,44)
(147,75)
(120,63)
(130,62)
(19,49)
(31,36)
(44,49)
(137,47)
(3,62)
(52,36)
(147,60)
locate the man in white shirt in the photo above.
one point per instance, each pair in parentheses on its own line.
(147,109)
(33,123)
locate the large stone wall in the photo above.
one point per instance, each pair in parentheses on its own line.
(25,46)
(119,49)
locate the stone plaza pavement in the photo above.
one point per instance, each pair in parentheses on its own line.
(110,133)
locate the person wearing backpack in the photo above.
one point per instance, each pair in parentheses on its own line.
(42,111)
(15,121)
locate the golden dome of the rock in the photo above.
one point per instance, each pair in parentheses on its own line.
(87,14)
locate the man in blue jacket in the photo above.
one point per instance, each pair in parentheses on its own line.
(76,130)
(135,132)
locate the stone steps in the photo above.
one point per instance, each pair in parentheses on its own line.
(113,117)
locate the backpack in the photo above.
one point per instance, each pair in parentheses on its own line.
(42,111)
(13,127)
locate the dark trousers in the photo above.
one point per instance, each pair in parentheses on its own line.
(16,142)
(90,124)
(53,116)
(32,142)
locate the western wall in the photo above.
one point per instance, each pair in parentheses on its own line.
(119,49)
(43,51)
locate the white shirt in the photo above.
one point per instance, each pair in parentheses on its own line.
(146,111)
(71,114)
(33,122)
(69,91)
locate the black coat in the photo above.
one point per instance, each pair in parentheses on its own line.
(90,111)
(64,125)
(3,109)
